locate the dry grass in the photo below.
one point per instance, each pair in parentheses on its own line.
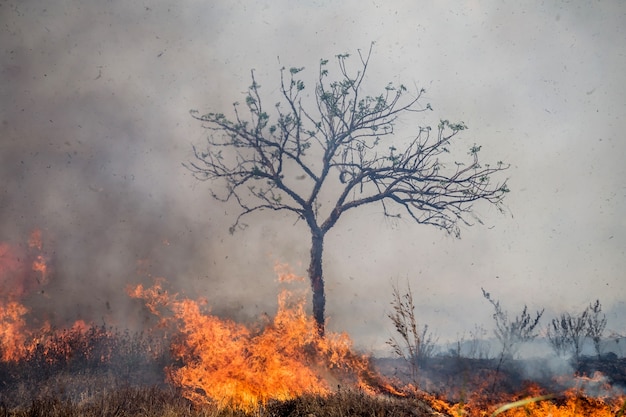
(166,402)
(146,402)
(111,374)
(130,382)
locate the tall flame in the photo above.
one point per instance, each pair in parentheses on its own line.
(229,364)
(13,333)
(38,264)
(20,271)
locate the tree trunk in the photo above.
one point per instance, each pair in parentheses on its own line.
(317,279)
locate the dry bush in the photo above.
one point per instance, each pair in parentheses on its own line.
(416,344)
(511,333)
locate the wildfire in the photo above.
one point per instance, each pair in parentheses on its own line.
(21,270)
(39,263)
(13,333)
(229,364)
(572,404)
(533,400)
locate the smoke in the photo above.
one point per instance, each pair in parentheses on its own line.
(94,127)
(90,155)
(542,364)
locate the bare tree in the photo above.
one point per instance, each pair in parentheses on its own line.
(416,343)
(336,148)
(567,333)
(558,335)
(596,323)
(512,333)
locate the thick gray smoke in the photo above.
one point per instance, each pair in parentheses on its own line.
(94,126)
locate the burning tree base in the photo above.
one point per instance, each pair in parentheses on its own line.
(225,363)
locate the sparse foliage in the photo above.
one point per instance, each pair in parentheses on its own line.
(567,333)
(512,333)
(558,334)
(321,155)
(596,323)
(416,343)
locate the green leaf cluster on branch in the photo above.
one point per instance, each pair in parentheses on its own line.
(343,138)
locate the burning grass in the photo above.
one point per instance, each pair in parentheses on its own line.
(228,364)
(193,363)
(114,375)
(167,401)
(89,371)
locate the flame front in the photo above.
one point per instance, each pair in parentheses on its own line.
(228,364)
(224,363)
(484,399)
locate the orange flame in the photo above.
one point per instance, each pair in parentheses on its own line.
(13,332)
(16,280)
(228,364)
(285,273)
(572,404)
(534,400)
(22,270)
(34,241)
(39,263)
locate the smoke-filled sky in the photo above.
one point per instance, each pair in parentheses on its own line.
(94,127)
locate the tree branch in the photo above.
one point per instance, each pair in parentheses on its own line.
(347,134)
